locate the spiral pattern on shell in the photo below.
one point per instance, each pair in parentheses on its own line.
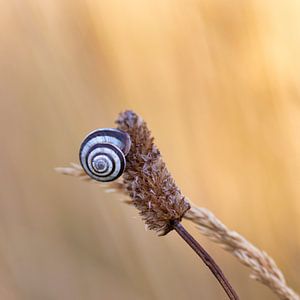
(102,153)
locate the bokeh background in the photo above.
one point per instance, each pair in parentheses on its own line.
(218,83)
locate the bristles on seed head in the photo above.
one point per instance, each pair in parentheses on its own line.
(147,180)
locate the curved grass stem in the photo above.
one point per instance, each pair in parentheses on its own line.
(207,259)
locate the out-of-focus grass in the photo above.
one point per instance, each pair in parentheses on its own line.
(217,81)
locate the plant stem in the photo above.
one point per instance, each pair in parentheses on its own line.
(207,259)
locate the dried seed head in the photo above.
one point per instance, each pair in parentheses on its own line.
(147,180)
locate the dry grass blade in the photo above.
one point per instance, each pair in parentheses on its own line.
(263,268)
(77,171)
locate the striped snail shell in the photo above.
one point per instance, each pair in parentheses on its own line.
(102,153)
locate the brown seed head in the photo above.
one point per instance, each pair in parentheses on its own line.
(147,180)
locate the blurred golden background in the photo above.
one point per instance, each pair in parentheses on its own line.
(218,83)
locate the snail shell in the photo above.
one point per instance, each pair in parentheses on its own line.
(102,153)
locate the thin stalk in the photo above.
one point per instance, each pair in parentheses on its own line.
(207,259)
